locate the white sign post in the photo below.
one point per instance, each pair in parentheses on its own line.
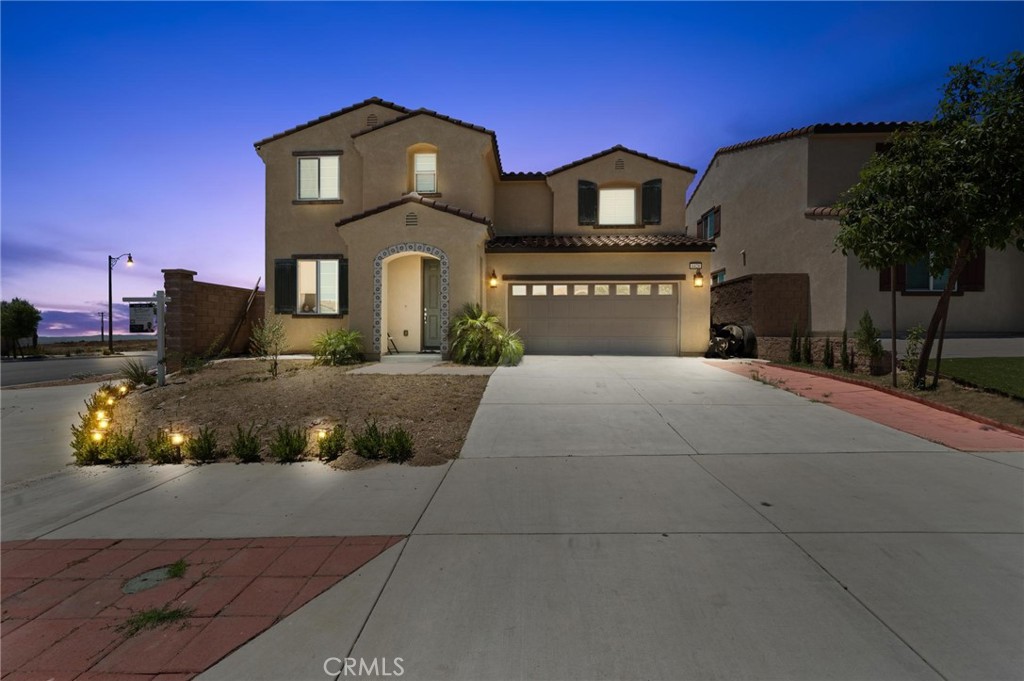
(160,301)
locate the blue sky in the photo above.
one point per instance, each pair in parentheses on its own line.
(129,126)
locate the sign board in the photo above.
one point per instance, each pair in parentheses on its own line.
(141,318)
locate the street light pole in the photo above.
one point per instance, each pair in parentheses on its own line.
(111,261)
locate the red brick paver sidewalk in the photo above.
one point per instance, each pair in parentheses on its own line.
(951,430)
(62,601)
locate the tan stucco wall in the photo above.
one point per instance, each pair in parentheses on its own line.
(763,194)
(464,179)
(404,279)
(460,239)
(997,309)
(695,303)
(637,170)
(834,164)
(522,207)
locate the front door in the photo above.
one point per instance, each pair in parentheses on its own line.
(431,304)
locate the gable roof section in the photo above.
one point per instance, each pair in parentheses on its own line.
(619,148)
(335,114)
(815,129)
(597,243)
(416,198)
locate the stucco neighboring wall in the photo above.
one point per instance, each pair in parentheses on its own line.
(636,171)
(522,207)
(834,164)
(695,317)
(762,192)
(998,309)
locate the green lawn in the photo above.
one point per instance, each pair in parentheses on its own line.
(1005,374)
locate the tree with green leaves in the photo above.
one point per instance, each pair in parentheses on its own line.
(18,319)
(948,189)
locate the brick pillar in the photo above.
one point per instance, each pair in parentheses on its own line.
(180,334)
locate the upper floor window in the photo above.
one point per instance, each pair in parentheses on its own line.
(319,178)
(717,277)
(617,206)
(425,173)
(710,224)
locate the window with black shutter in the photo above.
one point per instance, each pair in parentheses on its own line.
(285,285)
(587,202)
(651,202)
(343,286)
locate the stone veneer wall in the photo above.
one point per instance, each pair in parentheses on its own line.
(200,315)
(771,303)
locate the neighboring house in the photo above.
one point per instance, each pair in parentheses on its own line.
(387,220)
(768,204)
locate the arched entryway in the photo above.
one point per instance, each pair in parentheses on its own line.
(410,298)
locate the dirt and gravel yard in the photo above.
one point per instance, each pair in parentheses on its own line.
(436,409)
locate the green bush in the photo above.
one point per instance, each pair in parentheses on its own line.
(340,346)
(268,340)
(866,337)
(88,440)
(794,346)
(828,359)
(915,339)
(159,448)
(806,354)
(135,372)
(288,444)
(479,338)
(369,443)
(203,448)
(332,444)
(120,447)
(844,353)
(245,444)
(398,445)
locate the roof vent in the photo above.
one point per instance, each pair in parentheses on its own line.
(620,164)
(371,120)
(411,220)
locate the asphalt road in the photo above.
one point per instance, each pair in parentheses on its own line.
(20,372)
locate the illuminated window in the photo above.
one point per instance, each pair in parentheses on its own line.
(425,173)
(617,207)
(519,289)
(319,178)
(559,290)
(540,289)
(317,287)
(643,289)
(622,289)
(601,289)
(666,289)
(580,289)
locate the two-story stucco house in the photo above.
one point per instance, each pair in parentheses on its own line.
(387,220)
(768,204)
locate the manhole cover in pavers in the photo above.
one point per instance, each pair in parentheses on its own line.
(147,580)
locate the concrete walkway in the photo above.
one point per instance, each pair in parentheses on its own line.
(618,518)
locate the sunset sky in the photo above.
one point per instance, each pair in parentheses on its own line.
(130,126)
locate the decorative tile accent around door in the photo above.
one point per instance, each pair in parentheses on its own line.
(378,276)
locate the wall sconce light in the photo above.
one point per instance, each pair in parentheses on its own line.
(698,280)
(493,281)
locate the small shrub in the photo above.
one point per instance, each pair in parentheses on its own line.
(120,447)
(369,443)
(794,346)
(86,443)
(288,444)
(134,372)
(844,353)
(866,337)
(828,359)
(159,448)
(177,569)
(332,444)
(203,447)
(269,341)
(478,337)
(510,347)
(915,339)
(341,346)
(245,445)
(806,355)
(152,619)
(398,445)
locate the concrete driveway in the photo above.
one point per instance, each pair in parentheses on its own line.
(621,518)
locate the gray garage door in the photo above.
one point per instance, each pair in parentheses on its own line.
(596,318)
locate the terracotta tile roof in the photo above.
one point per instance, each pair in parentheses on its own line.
(823,212)
(416,198)
(335,114)
(620,148)
(522,176)
(611,243)
(815,129)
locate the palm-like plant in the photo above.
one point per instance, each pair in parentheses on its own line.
(479,338)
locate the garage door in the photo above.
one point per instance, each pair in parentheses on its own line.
(596,318)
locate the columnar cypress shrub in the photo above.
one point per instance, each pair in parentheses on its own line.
(805,353)
(794,346)
(844,354)
(828,358)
